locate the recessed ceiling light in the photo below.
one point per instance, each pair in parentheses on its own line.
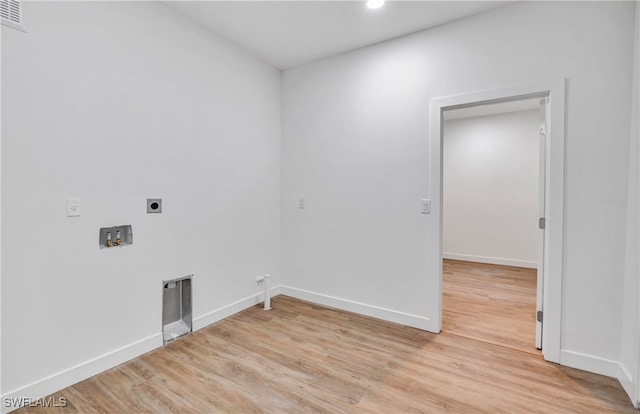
(375,4)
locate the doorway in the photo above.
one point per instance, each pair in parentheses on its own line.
(554,93)
(493,196)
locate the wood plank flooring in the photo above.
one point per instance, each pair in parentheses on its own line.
(490,303)
(303,358)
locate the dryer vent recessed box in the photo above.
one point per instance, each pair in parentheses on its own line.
(154,205)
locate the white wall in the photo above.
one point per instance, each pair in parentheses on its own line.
(490,188)
(630,344)
(114,103)
(356,146)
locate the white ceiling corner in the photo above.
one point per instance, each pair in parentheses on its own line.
(286,34)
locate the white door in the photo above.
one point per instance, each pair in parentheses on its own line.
(541,214)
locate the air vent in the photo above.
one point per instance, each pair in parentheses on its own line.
(11,13)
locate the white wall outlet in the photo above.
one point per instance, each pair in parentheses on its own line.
(301,203)
(73,207)
(425,206)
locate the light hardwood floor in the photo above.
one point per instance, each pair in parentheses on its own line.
(303,358)
(490,303)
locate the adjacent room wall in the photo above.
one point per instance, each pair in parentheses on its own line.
(114,103)
(630,342)
(356,147)
(490,188)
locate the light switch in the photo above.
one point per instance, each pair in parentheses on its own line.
(301,203)
(425,205)
(73,207)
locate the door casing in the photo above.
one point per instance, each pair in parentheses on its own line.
(555,92)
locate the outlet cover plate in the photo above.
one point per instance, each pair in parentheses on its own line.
(73,207)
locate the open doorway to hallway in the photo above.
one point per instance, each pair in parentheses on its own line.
(490,303)
(493,197)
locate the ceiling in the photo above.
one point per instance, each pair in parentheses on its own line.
(285,34)
(492,109)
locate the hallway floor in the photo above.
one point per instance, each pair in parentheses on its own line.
(490,303)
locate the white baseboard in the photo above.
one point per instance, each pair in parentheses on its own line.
(601,366)
(589,363)
(226,311)
(490,260)
(390,315)
(625,379)
(77,373)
